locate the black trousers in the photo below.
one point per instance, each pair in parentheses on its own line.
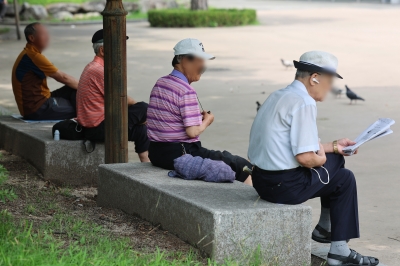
(61,105)
(296,186)
(137,131)
(163,154)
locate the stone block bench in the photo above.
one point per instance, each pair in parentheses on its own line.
(62,162)
(223,220)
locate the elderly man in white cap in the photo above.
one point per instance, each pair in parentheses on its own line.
(292,166)
(174,119)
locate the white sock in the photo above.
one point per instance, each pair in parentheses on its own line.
(339,248)
(324,221)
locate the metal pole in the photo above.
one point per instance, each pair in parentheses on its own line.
(115,94)
(16,15)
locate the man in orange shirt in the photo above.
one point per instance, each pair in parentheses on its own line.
(90,104)
(29,80)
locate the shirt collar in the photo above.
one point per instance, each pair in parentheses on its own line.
(299,85)
(31,47)
(99,60)
(178,74)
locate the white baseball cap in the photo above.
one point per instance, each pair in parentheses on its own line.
(192,47)
(318,61)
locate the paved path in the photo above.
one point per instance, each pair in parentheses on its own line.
(364,37)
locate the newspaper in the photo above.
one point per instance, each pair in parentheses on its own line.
(377,130)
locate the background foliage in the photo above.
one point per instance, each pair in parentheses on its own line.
(201,18)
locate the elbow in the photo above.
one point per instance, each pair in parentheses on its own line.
(192,135)
(310,160)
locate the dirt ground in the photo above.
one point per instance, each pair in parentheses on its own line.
(35,194)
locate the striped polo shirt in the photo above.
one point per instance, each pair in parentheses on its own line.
(173,107)
(90,94)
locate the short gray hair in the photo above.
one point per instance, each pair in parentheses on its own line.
(300,74)
(96,47)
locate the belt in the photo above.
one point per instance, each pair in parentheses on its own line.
(276,171)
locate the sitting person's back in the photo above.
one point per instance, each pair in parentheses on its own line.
(90,104)
(29,81)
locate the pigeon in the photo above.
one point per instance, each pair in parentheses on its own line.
(258,105)
(287,63)
(352,96)
(337,92)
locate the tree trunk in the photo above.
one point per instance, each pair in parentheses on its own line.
(198,5)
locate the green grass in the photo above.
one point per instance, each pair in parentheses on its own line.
(4,30)
(6,194)
(72,242)
(47,2)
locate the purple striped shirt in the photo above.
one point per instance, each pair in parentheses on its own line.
(173,107)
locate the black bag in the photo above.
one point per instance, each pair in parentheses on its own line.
(69,129)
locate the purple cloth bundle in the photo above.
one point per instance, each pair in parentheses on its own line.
(192,168)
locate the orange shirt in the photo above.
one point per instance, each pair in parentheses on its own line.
(29,79)
(90,94)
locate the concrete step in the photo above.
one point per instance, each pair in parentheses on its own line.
(223,220)
(62,162)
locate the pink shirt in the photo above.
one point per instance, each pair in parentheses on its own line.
(90,94)
(173,107)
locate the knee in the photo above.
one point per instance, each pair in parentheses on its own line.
(349,177)
(142,105)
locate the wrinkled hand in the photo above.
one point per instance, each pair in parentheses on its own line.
(343,143)
(207,117)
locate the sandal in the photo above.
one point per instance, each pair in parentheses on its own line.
(327,236)
(354,259)
(323,232)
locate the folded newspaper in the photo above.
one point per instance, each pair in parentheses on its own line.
(378,129)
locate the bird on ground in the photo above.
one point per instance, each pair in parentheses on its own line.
(337,92)
(352,96)
(287,63)
(258,105)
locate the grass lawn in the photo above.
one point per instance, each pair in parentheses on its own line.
(42,224)
(4,30)
(65,238)
(46,2)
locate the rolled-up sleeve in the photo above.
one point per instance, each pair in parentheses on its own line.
(303,130)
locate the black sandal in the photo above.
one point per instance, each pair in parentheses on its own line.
(354,259)
(327,235)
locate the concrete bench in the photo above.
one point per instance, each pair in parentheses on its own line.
(62,162)
(222,220)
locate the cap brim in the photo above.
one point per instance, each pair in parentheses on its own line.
(314,68)
(204,56)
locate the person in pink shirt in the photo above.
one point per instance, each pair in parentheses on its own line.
(174,119)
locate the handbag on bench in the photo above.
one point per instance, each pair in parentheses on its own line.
(69,129)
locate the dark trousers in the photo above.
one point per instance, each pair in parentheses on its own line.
(163,154)
(3,9)
(298,185)
(61,105)
(137,131)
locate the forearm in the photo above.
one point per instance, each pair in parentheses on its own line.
(66,79)
(195,131)
(328,147)
(311,159)
(72,82)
